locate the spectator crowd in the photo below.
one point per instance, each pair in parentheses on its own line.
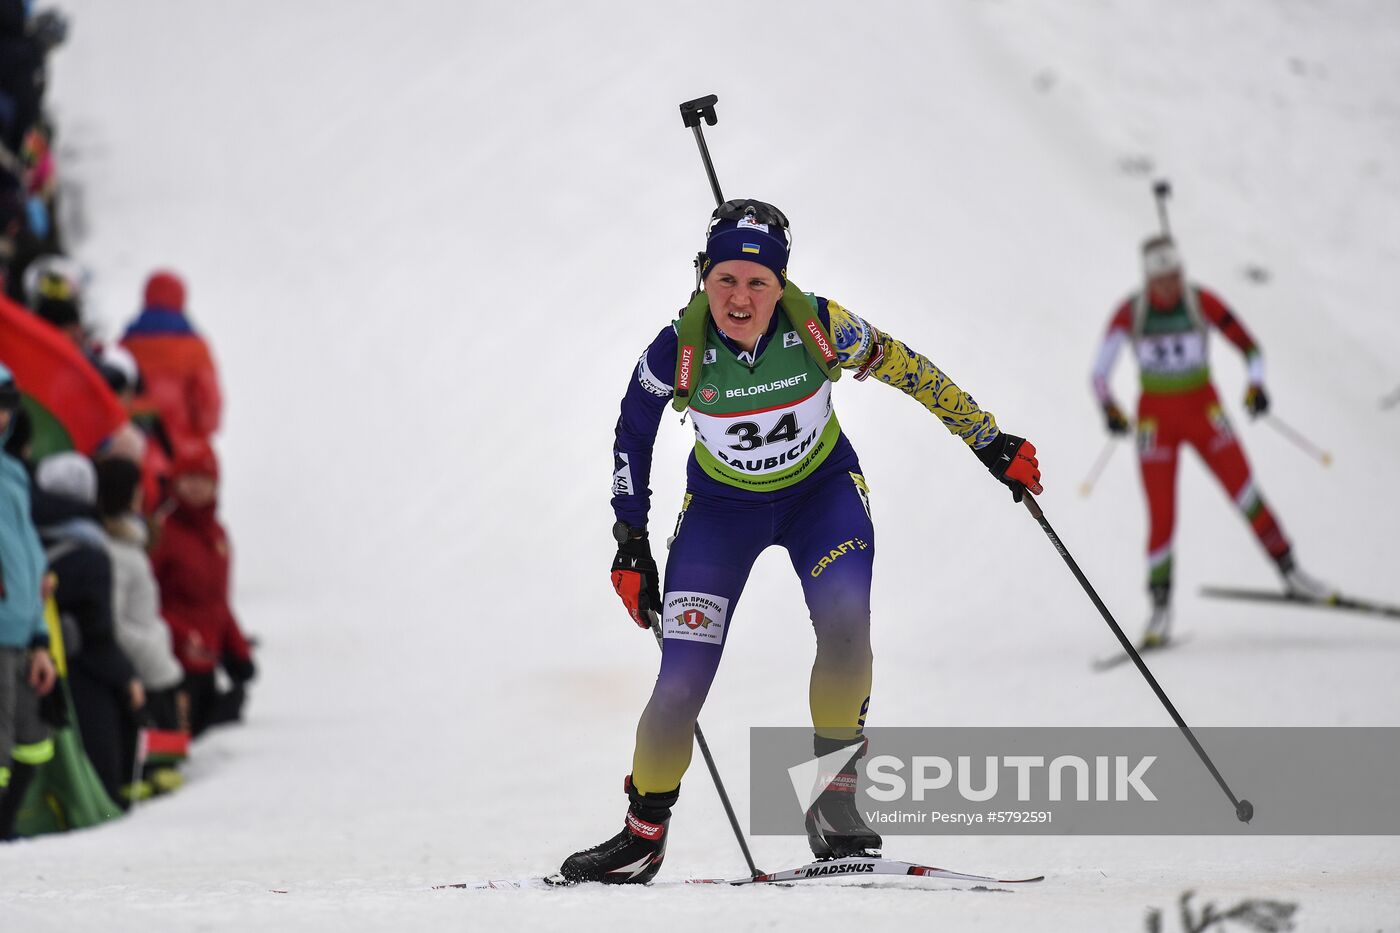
(118,643)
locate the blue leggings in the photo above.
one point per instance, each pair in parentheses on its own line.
(824,523)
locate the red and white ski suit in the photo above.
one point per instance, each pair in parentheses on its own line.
(1179,405)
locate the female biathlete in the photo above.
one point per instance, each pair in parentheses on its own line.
(752,358)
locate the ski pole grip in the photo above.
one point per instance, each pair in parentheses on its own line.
(693,110)
(1162,189)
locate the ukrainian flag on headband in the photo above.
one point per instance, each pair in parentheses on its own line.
(750,247)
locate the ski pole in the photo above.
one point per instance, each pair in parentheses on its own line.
(1087,487)
(1299,441)
(1243,808)
(1161,190)
(692,111)
(655,622)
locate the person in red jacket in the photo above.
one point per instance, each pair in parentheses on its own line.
(181,382)
(1167,322)
(191,563)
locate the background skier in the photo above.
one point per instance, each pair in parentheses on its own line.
(1168,322)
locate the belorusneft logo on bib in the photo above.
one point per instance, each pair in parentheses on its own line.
(695,617)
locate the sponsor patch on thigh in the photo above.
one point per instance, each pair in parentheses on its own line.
(695,617)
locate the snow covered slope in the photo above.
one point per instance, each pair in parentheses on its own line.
(428,241)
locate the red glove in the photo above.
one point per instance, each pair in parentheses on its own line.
(1011,460)
(635,579)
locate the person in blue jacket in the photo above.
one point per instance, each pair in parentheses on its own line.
(752,361)
(26,670)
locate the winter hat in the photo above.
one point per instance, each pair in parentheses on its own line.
(166,290)
(68,475)
(195,457)
(55,278)
(53,289)
(118,367)
(1159,257)
(117,480)
(748,237)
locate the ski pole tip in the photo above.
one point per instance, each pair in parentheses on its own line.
(1245,811)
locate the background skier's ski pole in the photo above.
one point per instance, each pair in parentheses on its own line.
(1243,808)
(710,763)
(1087,487)
(1299,441)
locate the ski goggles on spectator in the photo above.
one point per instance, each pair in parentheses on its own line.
(9,397)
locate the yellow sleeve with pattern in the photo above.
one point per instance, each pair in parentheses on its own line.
(872,352)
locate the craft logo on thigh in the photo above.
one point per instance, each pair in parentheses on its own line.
(845,547)
(694,617)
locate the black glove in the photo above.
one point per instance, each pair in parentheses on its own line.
(635,579)
(1256,402)
(1114,419)
(1011,460)
(240,670)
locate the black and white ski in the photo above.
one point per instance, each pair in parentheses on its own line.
(1273,596)
(858,867)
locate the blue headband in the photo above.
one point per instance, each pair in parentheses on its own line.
(749,240)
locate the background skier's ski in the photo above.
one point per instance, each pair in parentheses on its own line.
(1336,602)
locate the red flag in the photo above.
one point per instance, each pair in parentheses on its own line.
(57,378)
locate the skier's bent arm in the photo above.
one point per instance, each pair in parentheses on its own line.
(643,404)
(871,352)
(1119,329)
(1214,310)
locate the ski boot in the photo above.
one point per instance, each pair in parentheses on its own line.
(1299,584)
(1159,624)
(835,828)
(634,855)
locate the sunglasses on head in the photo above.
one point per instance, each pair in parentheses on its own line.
(759,211)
